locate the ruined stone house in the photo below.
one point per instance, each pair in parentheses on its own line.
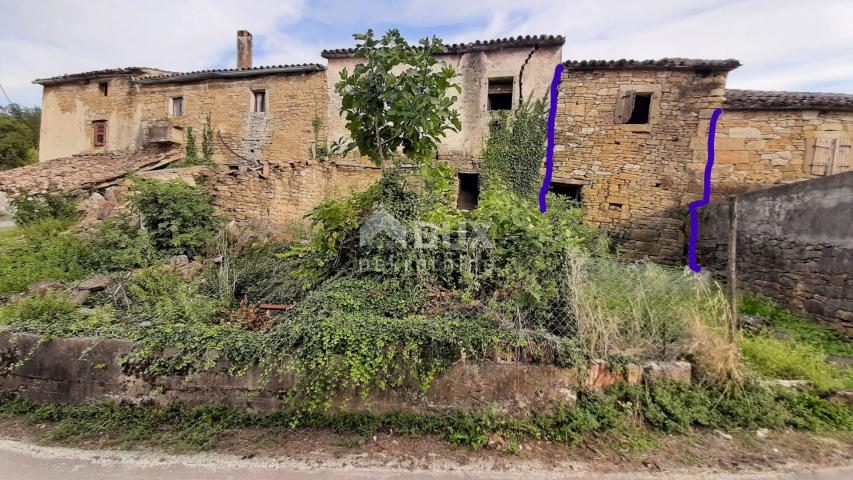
(630,135)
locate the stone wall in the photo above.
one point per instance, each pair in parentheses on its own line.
(283,134)
(759,148)
(637,180)
(794,244)
(282,195)
(76,370)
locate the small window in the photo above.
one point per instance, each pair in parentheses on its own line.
(500,94)
(100,130)
(566,190)
(633,108)
(104,87)
(259,105)
(469,191)
(177,106)
(642,106)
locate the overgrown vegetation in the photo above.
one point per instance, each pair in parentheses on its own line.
(19,135)
(30,208)
(662,407)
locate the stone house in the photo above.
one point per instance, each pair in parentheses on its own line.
(630,135)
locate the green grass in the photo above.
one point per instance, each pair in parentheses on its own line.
(799,352)
(797,328)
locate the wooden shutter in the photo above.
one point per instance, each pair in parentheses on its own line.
(841,159)
(624,106)
(822,158)
(100,129)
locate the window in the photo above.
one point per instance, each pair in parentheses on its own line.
(177,106)
(100,130)
(567,190)
(633,108)
(104,88)
(469,191)
(259,103)
(500,93)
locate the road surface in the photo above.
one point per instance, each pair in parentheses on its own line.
(24,461)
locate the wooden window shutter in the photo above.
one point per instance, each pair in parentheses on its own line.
(822,158)
(624,106)
(842,157)
(100,130)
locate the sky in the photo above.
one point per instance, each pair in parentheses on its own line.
(783,44)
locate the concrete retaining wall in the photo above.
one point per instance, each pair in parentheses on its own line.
(75,370)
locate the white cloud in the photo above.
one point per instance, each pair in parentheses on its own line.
(783,44)
(51,37)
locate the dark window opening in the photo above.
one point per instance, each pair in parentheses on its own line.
(500,94)
(100,130)
(614,206)
(642,106)
(260,101)
(178,106)
(469,191)
(104,87)
(567,190)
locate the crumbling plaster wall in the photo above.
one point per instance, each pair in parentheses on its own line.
(637,179)
(463,149)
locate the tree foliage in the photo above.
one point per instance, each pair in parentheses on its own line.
(19,135)
(396,98)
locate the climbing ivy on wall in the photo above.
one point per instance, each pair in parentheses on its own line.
(515,149)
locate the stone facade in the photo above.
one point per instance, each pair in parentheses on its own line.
(636,179)
(794,244)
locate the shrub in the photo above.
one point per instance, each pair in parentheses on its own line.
(179,217)
(31,208)
(120,244)
(166,298)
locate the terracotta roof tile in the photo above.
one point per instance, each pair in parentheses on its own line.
(80,171)
(521,41)
(107,72)
(761,100)
(230,73)
(659,64)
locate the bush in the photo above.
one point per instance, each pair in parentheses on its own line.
(166,298)
(179,217)
(120,244)
(31,208)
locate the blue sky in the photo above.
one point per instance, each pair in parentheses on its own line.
(783,44)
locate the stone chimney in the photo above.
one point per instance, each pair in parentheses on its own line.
(244,49)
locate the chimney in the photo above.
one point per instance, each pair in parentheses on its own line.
(244,49)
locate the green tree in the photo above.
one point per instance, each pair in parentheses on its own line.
(19,135)
(396,98)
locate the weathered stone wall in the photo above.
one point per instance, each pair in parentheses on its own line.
(759,148)
(283,194)
(794,244)
(637,179)
(76,370)
(282,134)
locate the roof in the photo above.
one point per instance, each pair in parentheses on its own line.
(768,100)
(81,171)
(526,41)
(107,72)
(230,73)
(660,64)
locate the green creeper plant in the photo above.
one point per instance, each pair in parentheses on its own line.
(191,154)
(396,98)
(207,142)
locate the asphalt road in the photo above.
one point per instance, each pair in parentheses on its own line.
(24,461)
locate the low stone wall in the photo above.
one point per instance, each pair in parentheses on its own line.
(75,370)
(794,244)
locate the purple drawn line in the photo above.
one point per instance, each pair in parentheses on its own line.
(706,194)
(549,157)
